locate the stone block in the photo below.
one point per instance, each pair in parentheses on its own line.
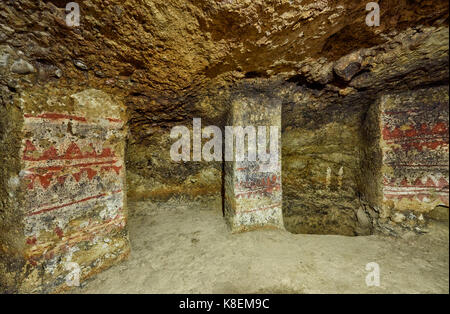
(253,190)
(63,216)
(406,158)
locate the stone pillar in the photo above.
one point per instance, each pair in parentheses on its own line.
(63,216)
(253,194)
(406,159)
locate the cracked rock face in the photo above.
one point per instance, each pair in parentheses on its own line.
(171,61)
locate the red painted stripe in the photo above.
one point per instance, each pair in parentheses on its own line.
(424,191)
(421,186)
(48,250)
(114,120)
(56,116)
(71,203)
(416,139)
(94,163)
(259,209)
(73,152)
(62,116)
(417,195)
(402,189)
(57,168)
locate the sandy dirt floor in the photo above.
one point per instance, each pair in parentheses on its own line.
(188,249)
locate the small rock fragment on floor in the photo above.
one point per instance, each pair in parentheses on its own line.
(22,67)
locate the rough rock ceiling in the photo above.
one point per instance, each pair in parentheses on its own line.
(171,48)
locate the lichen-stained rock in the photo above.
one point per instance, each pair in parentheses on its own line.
(320,163)
(253,193)
(406,171)
(65,213)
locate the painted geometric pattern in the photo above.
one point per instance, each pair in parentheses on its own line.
(71,167)
(258,195)
(416,147)
(261,188)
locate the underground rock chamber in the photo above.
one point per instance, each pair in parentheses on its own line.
(87,113)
